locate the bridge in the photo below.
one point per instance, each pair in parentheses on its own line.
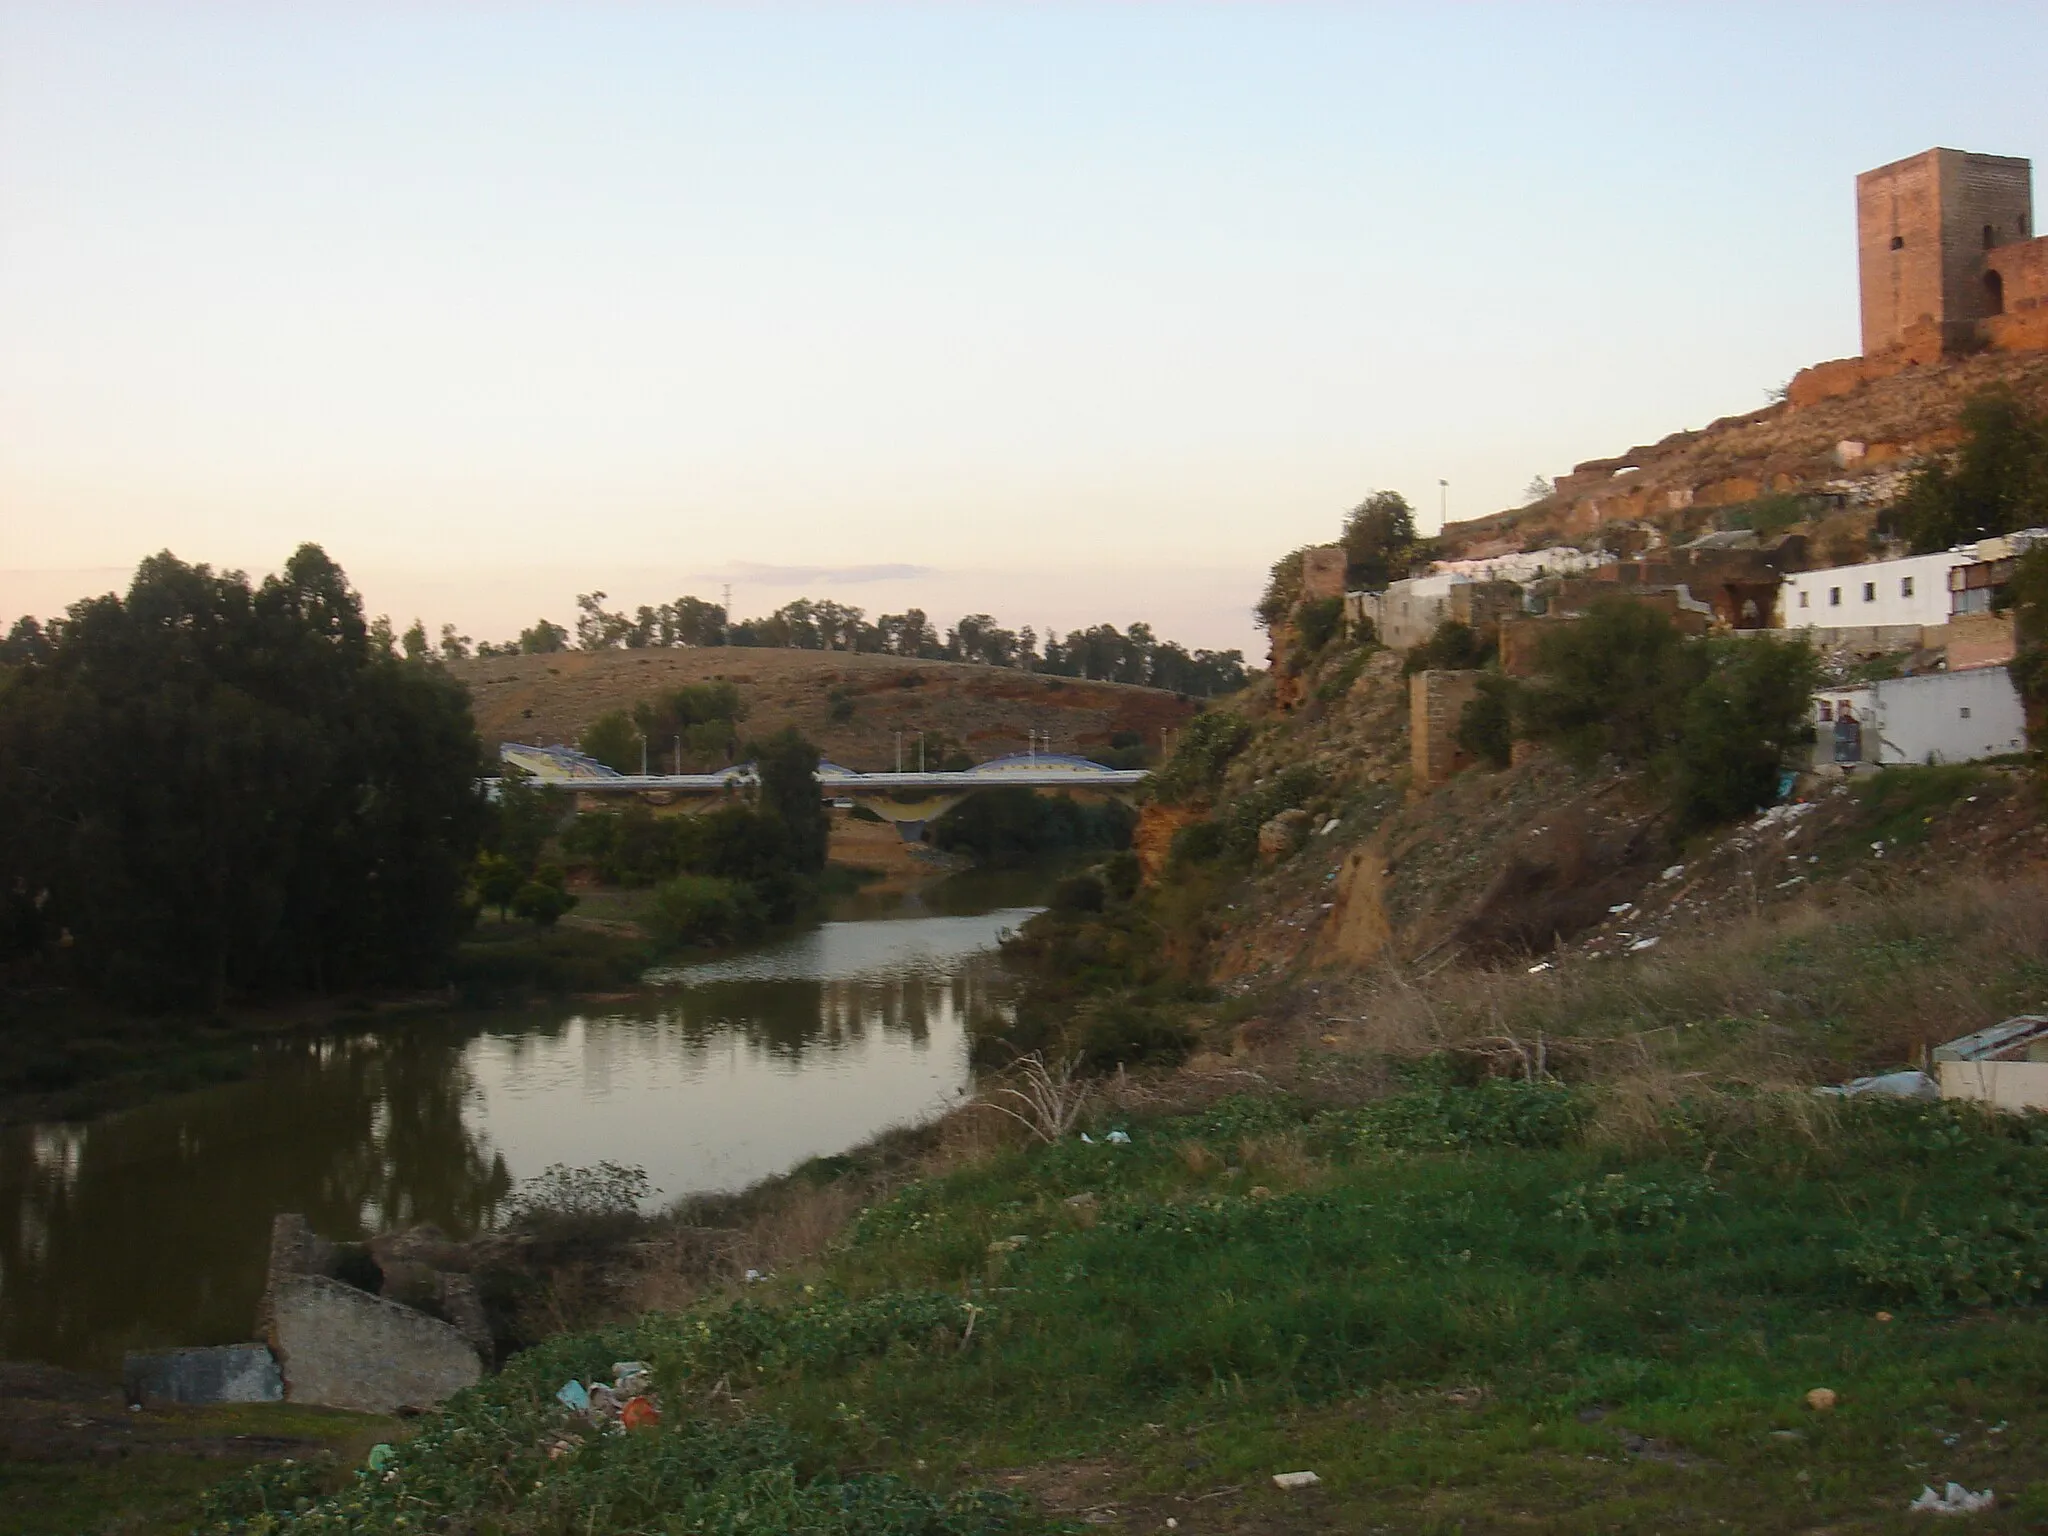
(910,800)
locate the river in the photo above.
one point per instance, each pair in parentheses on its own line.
(150,1227)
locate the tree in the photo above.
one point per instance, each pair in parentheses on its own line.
(414,642)
(787,765)
(1996,483)
(454,646)
(1380,541)
(1713,721)
(545,638)
(1539,488)
(597,628)
(614,740)
(217,788)
(498,880)
(1283,589)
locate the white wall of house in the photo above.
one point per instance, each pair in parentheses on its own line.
(1942,717)
(1524,566)
(1913,590)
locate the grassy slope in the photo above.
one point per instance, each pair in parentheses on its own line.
(1461,1308)
(989,709)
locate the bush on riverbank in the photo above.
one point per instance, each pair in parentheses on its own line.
(1455,1304)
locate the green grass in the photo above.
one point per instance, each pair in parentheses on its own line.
(156,1479)
(1900,805)
(1451,1304)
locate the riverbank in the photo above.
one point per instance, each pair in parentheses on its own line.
(1477,1307)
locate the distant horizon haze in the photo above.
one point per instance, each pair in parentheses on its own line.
(1083,313)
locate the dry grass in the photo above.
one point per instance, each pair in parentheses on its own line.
(1791,996)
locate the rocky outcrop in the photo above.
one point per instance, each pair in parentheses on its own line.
(344,1348)
(419,1337)
(1282,835)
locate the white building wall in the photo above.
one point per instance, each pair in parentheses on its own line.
(1913,590)
(1942,717)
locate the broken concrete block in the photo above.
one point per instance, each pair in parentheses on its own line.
(344,1348)
(228,1373)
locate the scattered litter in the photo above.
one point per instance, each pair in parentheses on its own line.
(1649,943)
(1885,1317)
(639,1413)
(1955,1499)
(1912,1084)
(380,1457)
(1330,826)
(1786,885)
(1786,1434)
(625,1402)
(1540,967)
(1304,1480)
(753,1275)
(1620,907)
(1673,872)
(1087,1138)
(1821,1399)
(1118,1138)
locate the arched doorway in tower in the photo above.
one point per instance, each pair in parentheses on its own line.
(1994,293)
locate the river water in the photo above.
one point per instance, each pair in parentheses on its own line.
(150,1227)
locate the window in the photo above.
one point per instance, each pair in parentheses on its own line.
(1827,713)
(1802,599)
(1994,293)
(1905,586)
(1834,597)
(1966,711)
(1990,237)
(1870,591)
(1898,242)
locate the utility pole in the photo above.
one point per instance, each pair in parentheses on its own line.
(920,751)
(727,600)
(679,756)
(899,751)
(1443,505)
(643,754)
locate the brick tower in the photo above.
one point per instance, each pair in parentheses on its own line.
(1923,226)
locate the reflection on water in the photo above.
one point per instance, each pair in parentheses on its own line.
(150,1227)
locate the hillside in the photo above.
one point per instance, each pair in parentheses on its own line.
(851,705)
(1849,446)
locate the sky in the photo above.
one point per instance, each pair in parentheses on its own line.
(1062,312)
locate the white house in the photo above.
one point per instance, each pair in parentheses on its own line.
(1937,717)
(1881,595)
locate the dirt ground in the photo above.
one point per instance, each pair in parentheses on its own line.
(991,711)
(75,1458)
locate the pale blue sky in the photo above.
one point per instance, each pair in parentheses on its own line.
(1091,310)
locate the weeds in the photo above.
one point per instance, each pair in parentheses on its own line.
(1049,1095)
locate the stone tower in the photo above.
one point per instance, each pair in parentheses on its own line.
(1922,227)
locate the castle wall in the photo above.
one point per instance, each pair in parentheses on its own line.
(2022,268)
(1436,703)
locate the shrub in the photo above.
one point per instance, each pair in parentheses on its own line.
(1318,622)
(1200,754)
(543,899)
(704,910)
(1486,725)
(1454,646)
(1197,843)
